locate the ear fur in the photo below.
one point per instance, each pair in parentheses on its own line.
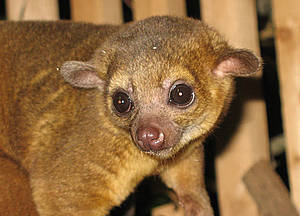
(81,74)
(238,63)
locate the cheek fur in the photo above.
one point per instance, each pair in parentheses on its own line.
(187,116)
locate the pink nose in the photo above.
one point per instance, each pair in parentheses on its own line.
(150,138)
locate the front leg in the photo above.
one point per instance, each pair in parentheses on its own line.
(76,185)
(85,182)
(73,192)
(186,178)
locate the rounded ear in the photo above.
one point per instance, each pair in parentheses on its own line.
(237,63)
(81,74)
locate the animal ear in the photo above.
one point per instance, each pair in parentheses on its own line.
(81,74)
(237,63)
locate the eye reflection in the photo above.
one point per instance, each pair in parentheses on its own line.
(122,102)
(181,95)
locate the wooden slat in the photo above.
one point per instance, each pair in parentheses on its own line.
(286,17)
(97,11)
(32,10)
(269,191)
(168,209)
(146,8)
(236,19)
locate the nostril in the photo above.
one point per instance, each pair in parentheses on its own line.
(150,138)
(158,139)
(149,133)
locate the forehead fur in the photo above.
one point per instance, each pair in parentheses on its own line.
(186,43)
(167,35)
(155,74)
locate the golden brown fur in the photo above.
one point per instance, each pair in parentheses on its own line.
(60,131)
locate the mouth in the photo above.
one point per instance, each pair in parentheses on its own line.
(164,152)
(161,154)
(153,145)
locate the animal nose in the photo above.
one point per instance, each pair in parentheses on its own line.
(150,138)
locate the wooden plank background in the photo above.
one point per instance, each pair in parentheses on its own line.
(32,10)
(287,27)
(146,8)
(95,11)
(237,21)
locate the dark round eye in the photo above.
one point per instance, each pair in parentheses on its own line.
(181,95)
(122,102)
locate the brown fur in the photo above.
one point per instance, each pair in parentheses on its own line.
(80,156)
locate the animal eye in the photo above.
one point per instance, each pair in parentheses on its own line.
(181,95)
(122,102)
